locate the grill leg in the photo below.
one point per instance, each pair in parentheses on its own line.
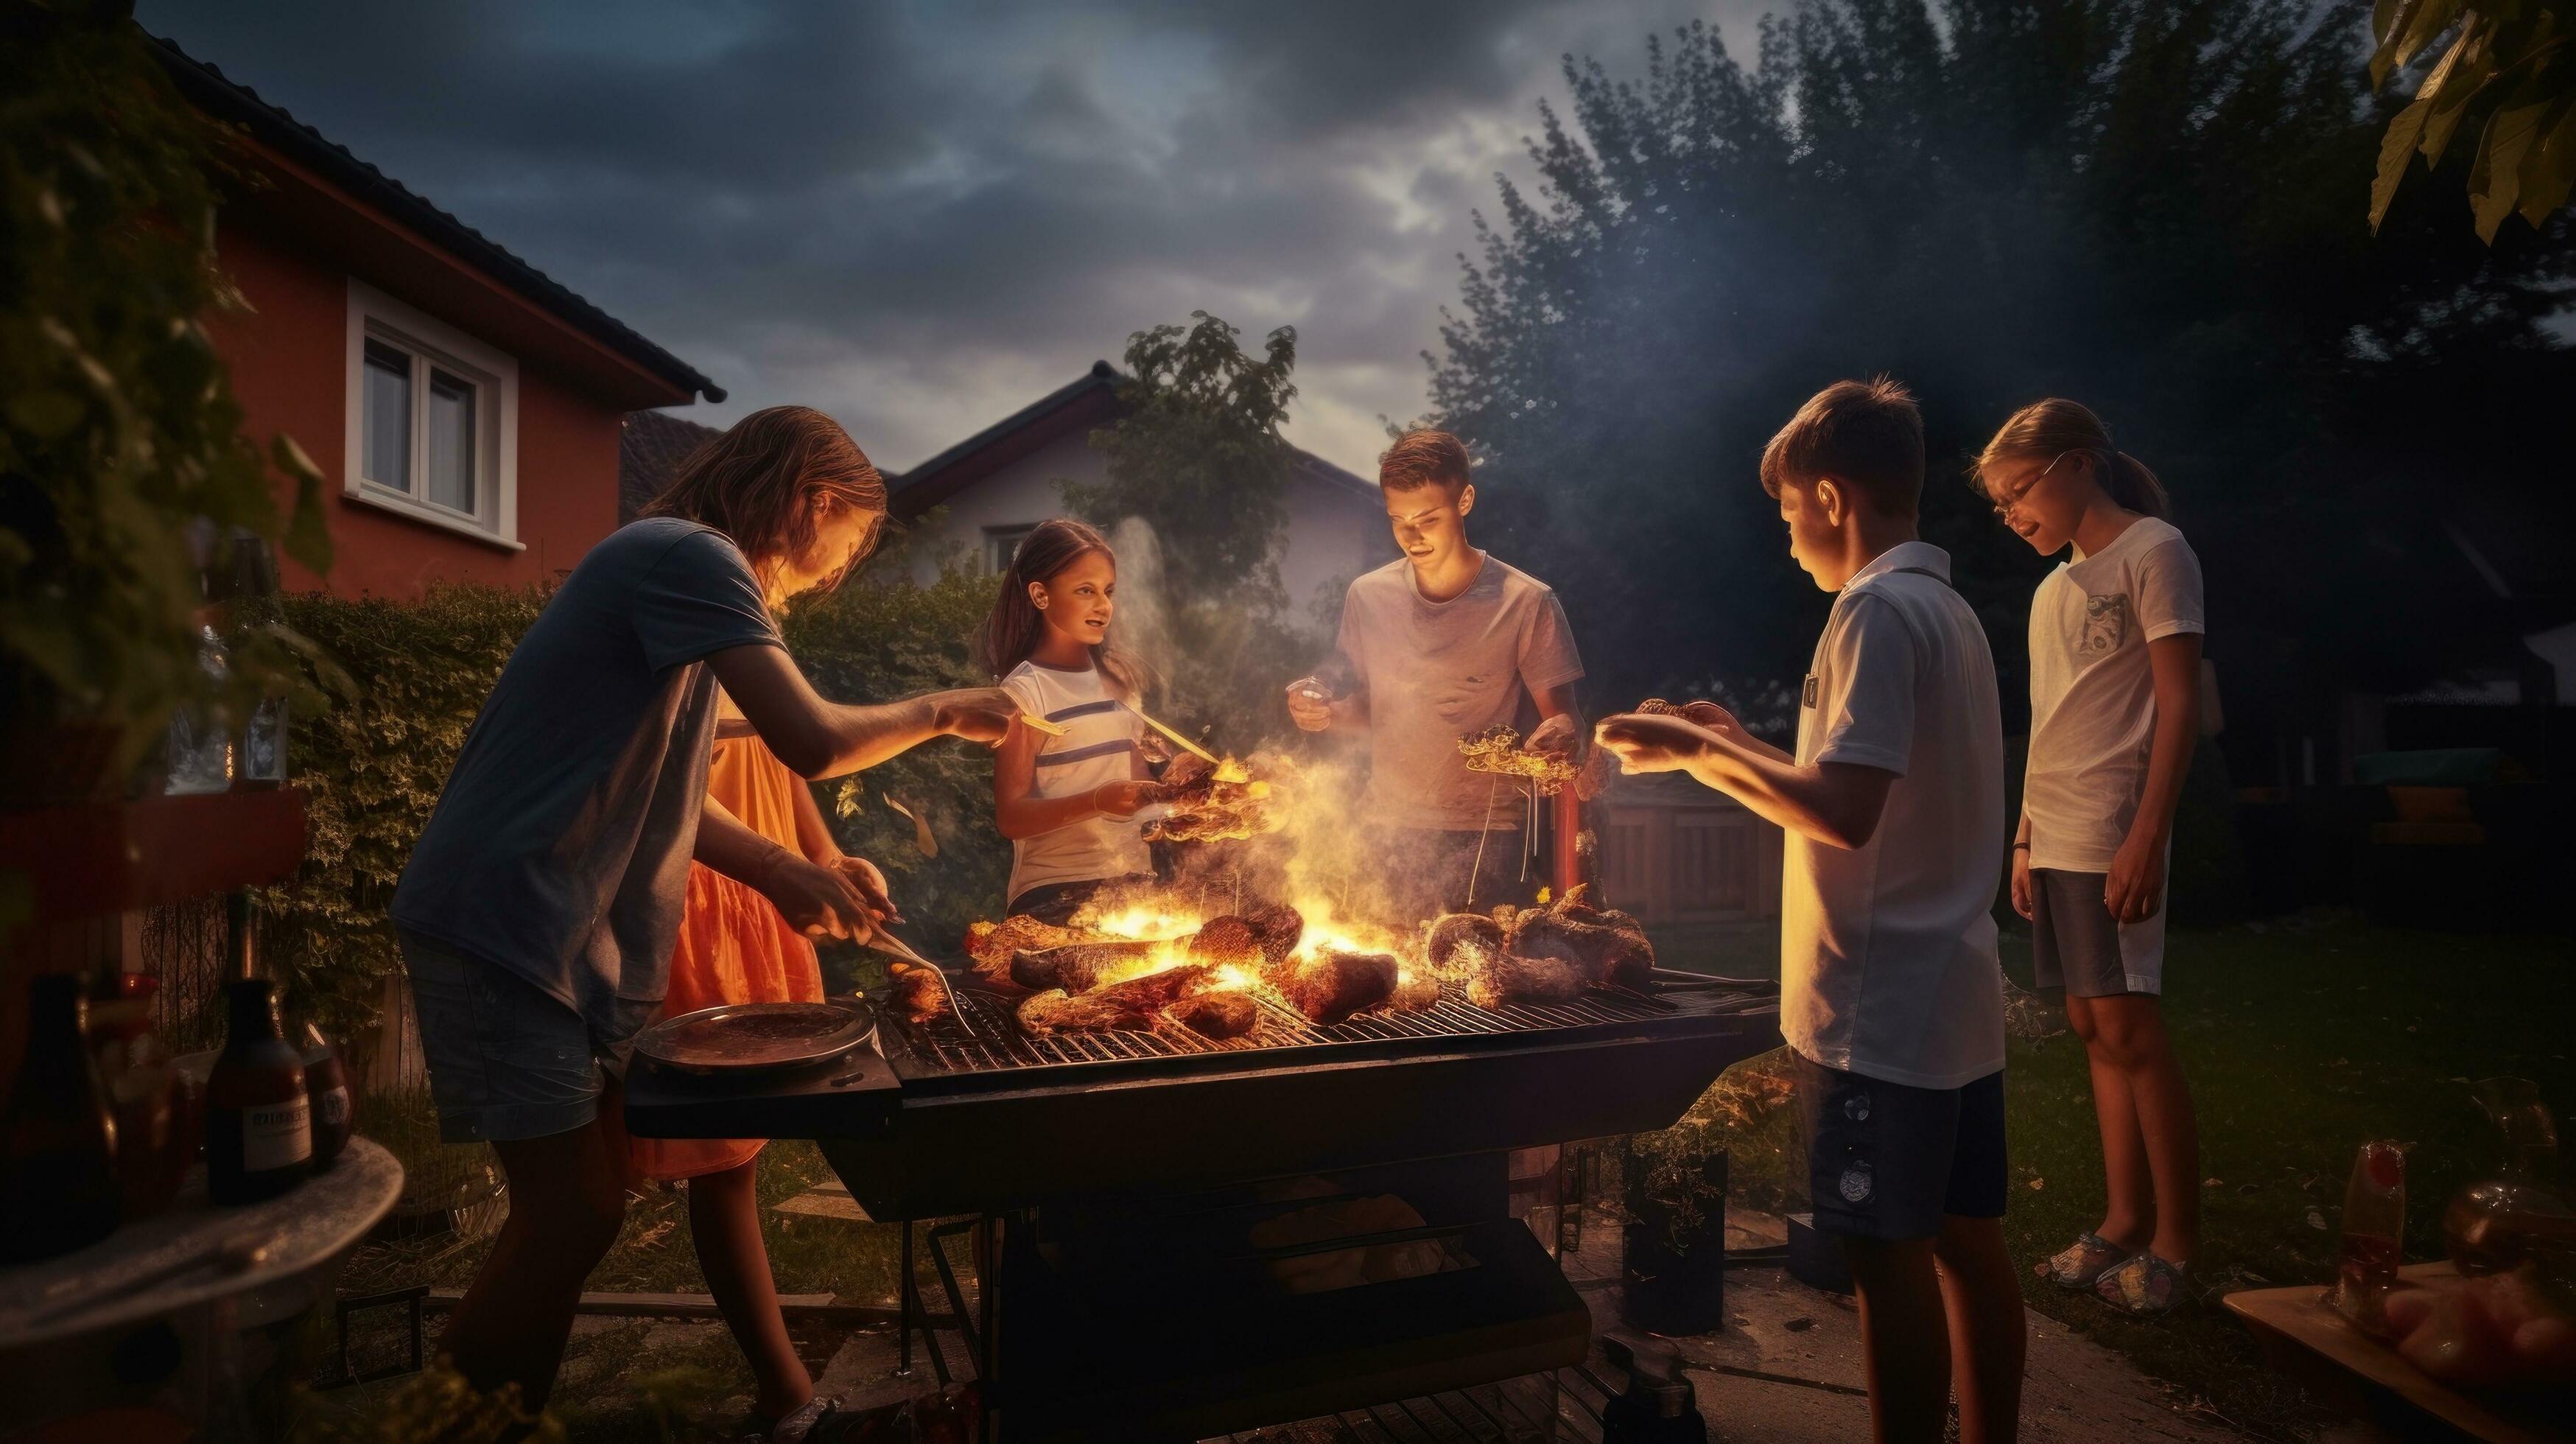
(905,1307)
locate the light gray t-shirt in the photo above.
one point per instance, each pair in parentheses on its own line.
(560,847)
(1887,950)
(2093,692)
(1436,671)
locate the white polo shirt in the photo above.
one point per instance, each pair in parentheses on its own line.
(1887,952)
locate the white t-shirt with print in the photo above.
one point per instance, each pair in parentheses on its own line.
(1887,951)
(2092,695)
(1099,746)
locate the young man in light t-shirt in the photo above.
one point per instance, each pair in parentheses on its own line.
(1892,998)
(1442,642)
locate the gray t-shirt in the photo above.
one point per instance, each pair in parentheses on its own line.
(560,848)
(1436,671)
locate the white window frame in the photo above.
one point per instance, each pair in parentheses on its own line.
(996,559)
(432,342)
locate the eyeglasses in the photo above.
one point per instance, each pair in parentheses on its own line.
(2004,508)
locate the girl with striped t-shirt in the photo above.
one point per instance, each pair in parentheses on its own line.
(1068,804)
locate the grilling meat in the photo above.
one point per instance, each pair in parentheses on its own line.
(1329,987)
(1279,928)
(1230,801)
(1131,1004)
(1456,938)
(1076,967)
(920,994)
(1607,956)
(1504,978)
(991,944)
(1498,749)
(1220,941)
(1226,1013)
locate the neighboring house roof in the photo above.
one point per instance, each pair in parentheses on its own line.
(1089,402)
(218,95)
(650,447)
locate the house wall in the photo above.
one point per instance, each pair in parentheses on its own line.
(1331,535)
(287,356)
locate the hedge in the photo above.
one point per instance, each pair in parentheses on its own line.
(372,766)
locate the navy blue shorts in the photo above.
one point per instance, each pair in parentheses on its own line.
(1886,1161)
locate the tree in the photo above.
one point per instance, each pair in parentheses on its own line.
(2510,61)
(2138,203)
(1195,502)
(118,432)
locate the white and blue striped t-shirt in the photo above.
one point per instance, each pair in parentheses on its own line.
(1099,746)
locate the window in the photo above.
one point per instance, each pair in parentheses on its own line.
(433,420)
(1000,542)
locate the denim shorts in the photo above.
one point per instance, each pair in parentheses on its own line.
(507,1060)
(1887,1161)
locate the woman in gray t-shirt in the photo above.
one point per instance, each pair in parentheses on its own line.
(538,913)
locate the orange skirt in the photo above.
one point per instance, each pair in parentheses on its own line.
(734,947)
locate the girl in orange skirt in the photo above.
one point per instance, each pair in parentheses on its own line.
(735,948)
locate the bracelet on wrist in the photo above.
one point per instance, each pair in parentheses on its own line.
(2022,846)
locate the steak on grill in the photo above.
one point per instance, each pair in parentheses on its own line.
(1225,1013)
(1595,947)
(1076,967)
(1501,978)
(1131,1004)
(920,994)
(991,944)
(1332,985)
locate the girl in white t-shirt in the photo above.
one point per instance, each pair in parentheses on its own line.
(2115,635)
(1068,804)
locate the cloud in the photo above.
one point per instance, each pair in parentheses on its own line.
(921,217)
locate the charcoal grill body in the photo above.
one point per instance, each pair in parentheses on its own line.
(1015,1133)
(1188,1139)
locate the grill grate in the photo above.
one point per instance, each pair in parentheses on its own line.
(996,1042)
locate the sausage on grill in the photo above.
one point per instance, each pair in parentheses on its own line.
(1505,978)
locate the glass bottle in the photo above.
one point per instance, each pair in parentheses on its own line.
(2520,1215)
(200,746)
(326,1083)
(2374,1220)
(58,1189)
(259,1120)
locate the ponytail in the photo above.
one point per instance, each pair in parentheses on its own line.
(2055,427)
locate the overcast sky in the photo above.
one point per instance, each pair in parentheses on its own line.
(920,217)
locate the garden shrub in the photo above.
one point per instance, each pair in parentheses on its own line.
(372,767)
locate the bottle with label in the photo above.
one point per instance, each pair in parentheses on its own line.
(259,1120)
(200,747)
(326,1083)
(58,1189)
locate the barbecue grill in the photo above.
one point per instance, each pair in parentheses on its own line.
(1117,1173)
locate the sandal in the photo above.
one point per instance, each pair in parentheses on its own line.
(2146,1287)
(2081,1264)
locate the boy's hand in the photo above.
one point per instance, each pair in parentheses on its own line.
(1310,705)
(2021,881)
(1644,743)
(2135,888)
(1715,718)
(978,714)
(818,901)
(1553,737)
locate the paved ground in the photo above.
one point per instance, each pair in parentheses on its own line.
(1785,1370)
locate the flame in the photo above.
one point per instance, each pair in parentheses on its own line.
(1231,770)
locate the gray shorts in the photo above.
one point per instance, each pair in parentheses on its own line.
(507,1060)
(2077,945)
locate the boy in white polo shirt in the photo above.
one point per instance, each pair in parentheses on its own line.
(1892,998)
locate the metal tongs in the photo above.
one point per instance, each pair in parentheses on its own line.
(888,943)
(1676,980)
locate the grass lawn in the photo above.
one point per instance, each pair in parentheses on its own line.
(2302,1038)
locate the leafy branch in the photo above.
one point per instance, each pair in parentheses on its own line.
(2508,58)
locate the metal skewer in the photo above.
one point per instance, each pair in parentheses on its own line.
(1203,754)
(1036,723)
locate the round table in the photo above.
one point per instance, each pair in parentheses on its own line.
(154,1315)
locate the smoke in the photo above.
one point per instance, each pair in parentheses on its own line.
(1142,622)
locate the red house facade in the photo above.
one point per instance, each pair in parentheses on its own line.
(466,408)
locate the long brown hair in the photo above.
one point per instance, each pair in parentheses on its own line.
(2048,429)
(758,482)
(1011,630)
